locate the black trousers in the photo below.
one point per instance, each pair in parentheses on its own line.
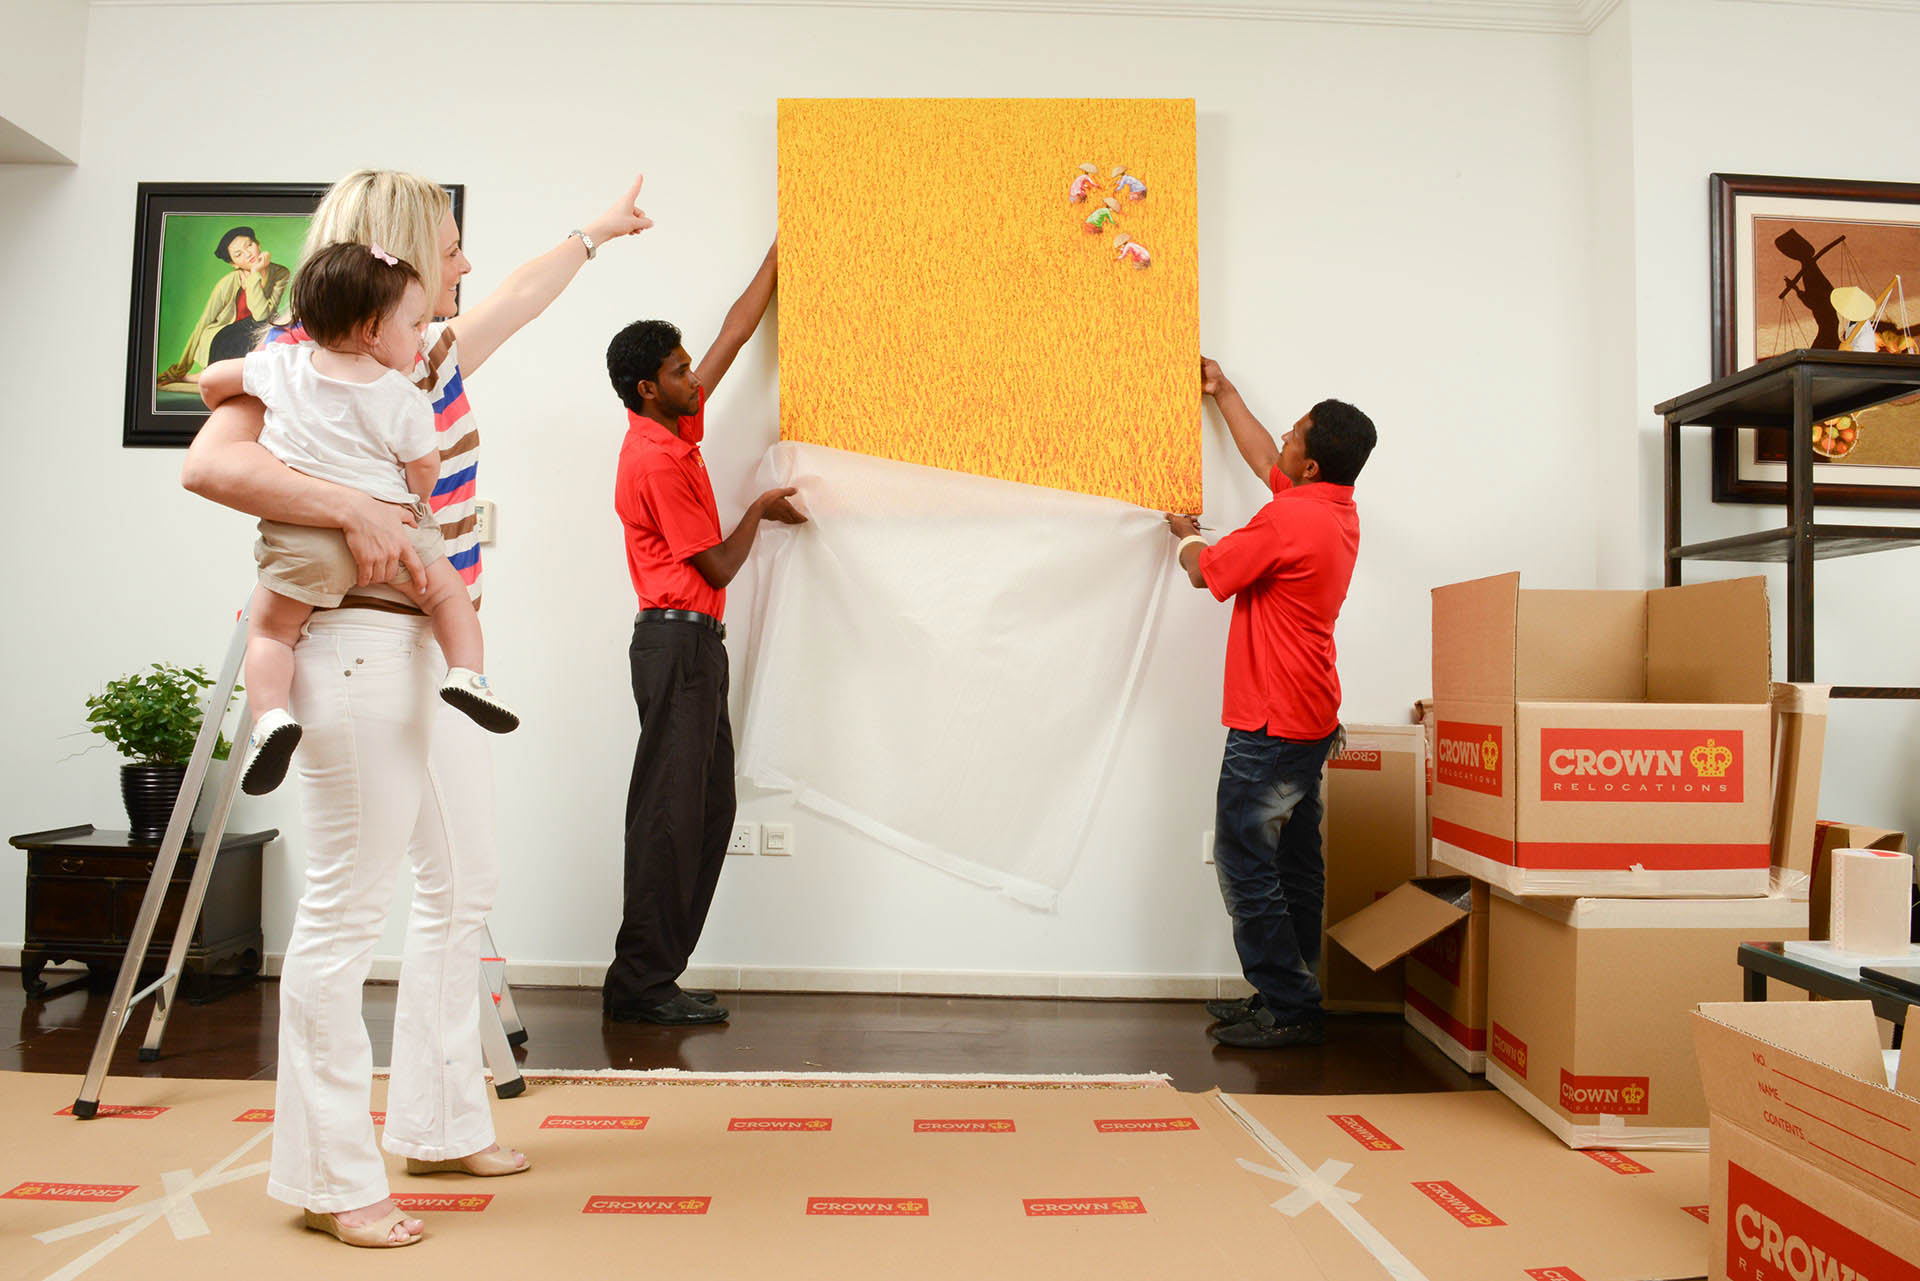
(680,807)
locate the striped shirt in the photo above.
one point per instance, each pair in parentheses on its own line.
(458,440)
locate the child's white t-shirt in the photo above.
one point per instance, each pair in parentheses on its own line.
(354,434)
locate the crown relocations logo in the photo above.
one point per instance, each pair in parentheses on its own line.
(1469,756)
(1641,765)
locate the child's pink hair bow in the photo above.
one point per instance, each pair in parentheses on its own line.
(384,256)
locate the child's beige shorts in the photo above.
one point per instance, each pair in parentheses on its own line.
(314,567)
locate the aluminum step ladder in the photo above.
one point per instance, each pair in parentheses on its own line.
(500,1025)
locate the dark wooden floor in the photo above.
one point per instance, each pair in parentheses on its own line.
(234,1036)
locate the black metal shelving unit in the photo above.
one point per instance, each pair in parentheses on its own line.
(1793,391)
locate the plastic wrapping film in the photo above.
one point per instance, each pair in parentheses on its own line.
(943,662)
(1634,882)
(1606,1132)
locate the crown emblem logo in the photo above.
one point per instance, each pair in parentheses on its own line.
(1490,754)
(1710,759)
(1634,1094)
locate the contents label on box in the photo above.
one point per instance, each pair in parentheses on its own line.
(1771,1233)
(1469,756)
(1641,765)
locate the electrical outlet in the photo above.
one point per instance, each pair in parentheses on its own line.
(1206,846)
(746,839)
(483,522)
(776,838)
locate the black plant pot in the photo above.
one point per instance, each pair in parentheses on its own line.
(150,791)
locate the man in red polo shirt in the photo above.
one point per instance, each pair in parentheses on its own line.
(1287,571)
(680,803)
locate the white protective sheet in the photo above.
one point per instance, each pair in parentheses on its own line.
(943,661)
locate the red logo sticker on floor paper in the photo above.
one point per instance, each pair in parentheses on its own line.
(810,1124)
(647,1205)
(1470,756)
(884,1206)
(256,1114)
(1641,765)
(1147,1125)
(1618,1162)
(963,1126)
(1045,1207)
(1700,1212)
(1510,1050)
(1771,1233)
(118,1112)
(1368,1137)
(594,1123)
(1604,1095)
(426,1202)
(1554,1274)
(1461,1206)
(1353,758)
(102,1192)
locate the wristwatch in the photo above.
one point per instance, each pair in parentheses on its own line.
(586,240)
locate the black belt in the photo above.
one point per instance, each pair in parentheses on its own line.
(693,616)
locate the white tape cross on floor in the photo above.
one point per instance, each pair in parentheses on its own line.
(1319,1187)
(175,1205)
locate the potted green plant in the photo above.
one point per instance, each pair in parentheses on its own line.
(153,718)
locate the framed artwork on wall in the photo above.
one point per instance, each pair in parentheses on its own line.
(212,271)
(1825,264)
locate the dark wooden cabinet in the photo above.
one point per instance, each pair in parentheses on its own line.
(84,889)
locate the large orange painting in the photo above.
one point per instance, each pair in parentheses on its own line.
(1006,287)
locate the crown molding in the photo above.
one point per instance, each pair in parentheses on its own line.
(1565,17)
(1555,17)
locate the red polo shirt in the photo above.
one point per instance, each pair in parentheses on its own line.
(665,502)
(1287,570)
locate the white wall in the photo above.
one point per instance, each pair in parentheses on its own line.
(42,53)
(1399,217)
(1714,91)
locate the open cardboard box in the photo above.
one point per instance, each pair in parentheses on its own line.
(1604,742)
(1813,1159)
(1589,1003)
(1374,833)
(1439,924)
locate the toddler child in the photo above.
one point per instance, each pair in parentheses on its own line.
(343,410)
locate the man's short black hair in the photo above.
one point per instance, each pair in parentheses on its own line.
(635,356)
(1340,440)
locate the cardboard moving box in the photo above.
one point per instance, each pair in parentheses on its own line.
(1589,1003)
(1812,1167)
(1439,924)
(1375,836)
(1597,742)
(1799,743)
(1828,837)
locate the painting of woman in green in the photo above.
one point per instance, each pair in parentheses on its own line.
(254,293)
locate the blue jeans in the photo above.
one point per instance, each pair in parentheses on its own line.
(1266,851)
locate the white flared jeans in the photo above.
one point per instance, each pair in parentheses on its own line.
(389,774)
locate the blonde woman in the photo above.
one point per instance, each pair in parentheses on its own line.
(388,771)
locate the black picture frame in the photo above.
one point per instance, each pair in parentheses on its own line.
(158,417)
(1823,199)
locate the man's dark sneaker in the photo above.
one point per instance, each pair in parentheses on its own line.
(680,1010)
(1261,1032)
(1234,1011)
(701,995)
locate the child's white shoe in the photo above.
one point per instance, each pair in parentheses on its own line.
(468,690)
(270,747)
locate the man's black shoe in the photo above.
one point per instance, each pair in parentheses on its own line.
(1234,1011)
(679,1011)
(1261,1032)
(701,995)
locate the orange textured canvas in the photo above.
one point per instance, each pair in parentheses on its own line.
(1006,287)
